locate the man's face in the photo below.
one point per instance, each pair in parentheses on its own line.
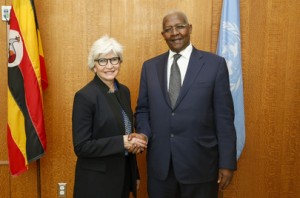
(176,32)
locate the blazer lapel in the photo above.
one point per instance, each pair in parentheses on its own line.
(113,103)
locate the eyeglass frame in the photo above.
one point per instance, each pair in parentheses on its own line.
(178,27)
(108,59)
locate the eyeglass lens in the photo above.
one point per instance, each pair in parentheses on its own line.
(113,61)
(177,27)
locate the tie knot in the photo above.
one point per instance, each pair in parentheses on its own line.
(176,56)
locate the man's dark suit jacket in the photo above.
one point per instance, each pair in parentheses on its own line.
(198,134)
(98,131)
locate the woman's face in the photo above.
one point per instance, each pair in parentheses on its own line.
(107,67)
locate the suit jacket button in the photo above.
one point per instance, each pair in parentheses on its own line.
(173,113)
(172,135)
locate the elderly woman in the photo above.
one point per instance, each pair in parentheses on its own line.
(102,120)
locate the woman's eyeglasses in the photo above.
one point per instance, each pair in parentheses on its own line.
(104,61)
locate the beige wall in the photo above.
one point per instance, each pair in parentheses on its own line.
(270,30)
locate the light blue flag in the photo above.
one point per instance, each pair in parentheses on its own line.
(229,46)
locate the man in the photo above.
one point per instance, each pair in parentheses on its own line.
(190,129)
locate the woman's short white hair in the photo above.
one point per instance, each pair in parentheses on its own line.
(103,46)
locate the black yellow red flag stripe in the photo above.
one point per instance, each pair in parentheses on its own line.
(27,79)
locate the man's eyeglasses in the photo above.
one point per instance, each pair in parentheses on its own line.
(177,27)
(104,61)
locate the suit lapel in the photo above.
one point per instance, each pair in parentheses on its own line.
(161,68)
(194,67)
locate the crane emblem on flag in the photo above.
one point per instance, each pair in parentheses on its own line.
(15,49)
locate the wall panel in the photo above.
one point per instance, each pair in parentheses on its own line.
(4,175)
(68,29)
(270,46)
(137,25)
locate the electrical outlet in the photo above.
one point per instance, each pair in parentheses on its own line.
(5,13)
(62,190)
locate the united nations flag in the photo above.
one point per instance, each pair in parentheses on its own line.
(229,46)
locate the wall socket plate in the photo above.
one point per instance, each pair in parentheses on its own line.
(5,13)
(62,190)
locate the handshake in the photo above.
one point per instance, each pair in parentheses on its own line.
(135,143)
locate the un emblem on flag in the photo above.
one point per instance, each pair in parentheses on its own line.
(231,51)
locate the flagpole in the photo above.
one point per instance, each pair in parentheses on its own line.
(220,194)
(38,175)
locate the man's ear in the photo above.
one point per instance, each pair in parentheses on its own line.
(191,28)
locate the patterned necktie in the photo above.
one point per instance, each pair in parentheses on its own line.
(175,80)
(127,125)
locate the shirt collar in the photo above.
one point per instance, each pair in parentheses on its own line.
(184,53)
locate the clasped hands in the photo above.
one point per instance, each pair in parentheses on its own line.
(135,143)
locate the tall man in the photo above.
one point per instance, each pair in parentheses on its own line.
(186,111)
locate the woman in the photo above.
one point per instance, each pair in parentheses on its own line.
(101,121)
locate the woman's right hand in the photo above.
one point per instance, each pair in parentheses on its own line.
(135,143)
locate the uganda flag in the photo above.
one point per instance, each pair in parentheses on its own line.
(26,138)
